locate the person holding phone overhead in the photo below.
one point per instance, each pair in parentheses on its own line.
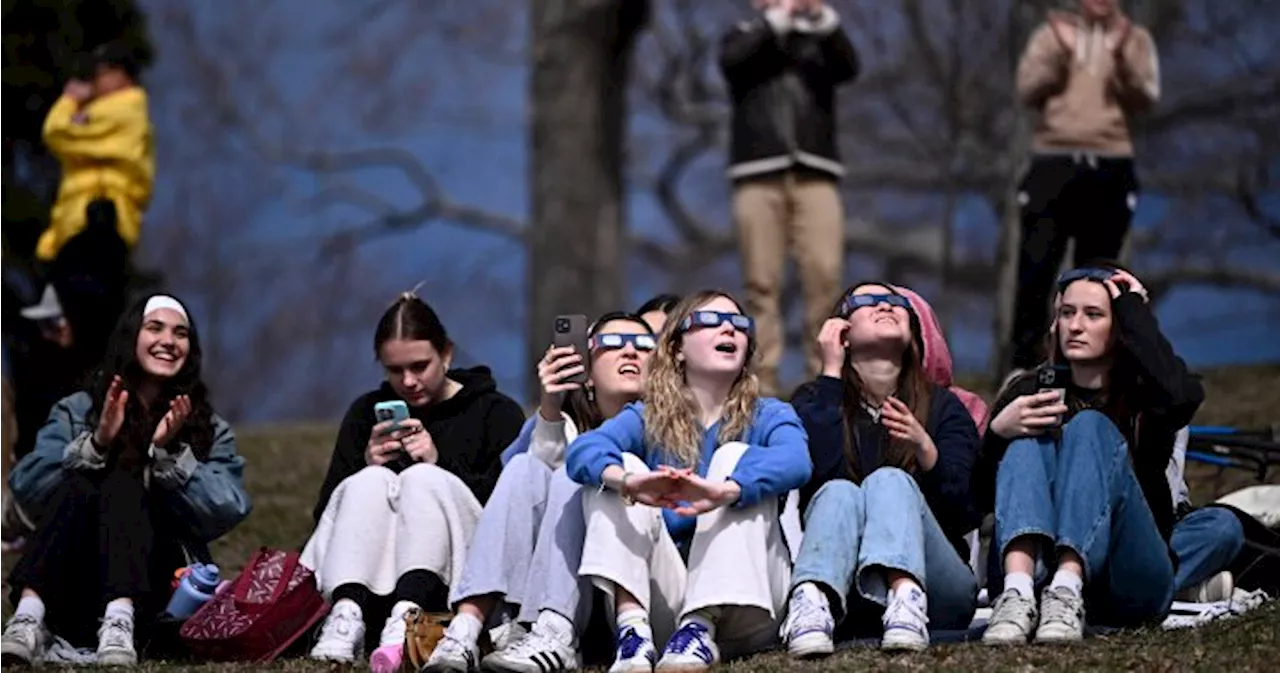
(398,506)
(889,503)
(128,480)
(783,67)
(682,498)
(528,545)
(1079,488)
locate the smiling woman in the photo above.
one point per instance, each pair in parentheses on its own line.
(136,476)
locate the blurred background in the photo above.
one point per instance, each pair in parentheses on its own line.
(526,158)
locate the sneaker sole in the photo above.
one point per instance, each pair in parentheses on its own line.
(493,664)
(118,659)
(1057,640)
(15,660)
(684,668)
(903,646)
(811,646)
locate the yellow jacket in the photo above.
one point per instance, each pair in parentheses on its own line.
(110,154)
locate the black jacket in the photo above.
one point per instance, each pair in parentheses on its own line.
(470,431)
(782,76)
(945,487)
(1166,400)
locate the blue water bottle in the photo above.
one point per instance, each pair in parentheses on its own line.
(195,589)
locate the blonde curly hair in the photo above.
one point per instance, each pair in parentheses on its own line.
(671,414)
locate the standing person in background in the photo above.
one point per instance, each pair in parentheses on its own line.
(783,68)
(101,134)
(1087,74)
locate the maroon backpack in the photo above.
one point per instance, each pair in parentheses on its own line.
(270,605)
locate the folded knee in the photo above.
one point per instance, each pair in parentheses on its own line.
(374,478)
(424,476)
(1092,428)
(726,457)
(837,495)
(889,478)
(524,463)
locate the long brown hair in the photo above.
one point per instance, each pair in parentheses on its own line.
(582,408)
(671,414)
(1116,399)
(913,390)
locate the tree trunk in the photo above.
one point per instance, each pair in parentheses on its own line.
(580,61)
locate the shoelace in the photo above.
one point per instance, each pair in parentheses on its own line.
(24,626)
(807,616)
(903,612)
(1008,606)
(691,639)
(117,631)
(1062,606)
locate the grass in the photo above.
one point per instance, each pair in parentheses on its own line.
(287,464)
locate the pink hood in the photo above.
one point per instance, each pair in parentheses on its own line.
(937,357)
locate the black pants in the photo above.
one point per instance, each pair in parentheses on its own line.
(91,275)
(97,542)
(1088,198)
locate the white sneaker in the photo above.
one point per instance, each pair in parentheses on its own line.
(342,637)
(1216,588)
(1013,617)
(809,626)
(115,642)
(507,634)
(1061,616)
(535,653)
(453,656)
(23,642)
(906,622)
(635,654)
(691,650)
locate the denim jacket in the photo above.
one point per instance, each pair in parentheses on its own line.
(208,497)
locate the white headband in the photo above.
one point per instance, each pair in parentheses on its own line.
(159,301)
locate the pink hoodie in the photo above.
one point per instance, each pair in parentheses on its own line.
(937,358)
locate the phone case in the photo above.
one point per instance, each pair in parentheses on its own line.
(571,330)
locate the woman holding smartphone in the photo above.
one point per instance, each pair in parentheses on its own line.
(523,563)
(401,499)
(683,498)
(1078,487)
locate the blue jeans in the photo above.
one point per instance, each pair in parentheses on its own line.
(1205,541)
(853,534)
(1080,493)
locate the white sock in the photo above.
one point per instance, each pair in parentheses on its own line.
(706,617)
(1021,583)
(1069,580)
(465,629)
(398,612)
(637,619)
(555,625)
(31,606)
(912,593)
(120,607)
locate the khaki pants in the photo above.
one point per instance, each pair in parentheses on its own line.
(738,561)
(806,215)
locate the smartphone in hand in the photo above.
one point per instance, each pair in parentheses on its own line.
(1054,379)
(395,411)
(571,330)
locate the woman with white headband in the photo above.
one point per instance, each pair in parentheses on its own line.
(128,480)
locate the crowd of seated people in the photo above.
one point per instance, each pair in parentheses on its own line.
(650,480)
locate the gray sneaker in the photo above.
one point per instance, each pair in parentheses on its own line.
(115,642)
(1013,617)
(1220,587)
(1061,616)
(23,642)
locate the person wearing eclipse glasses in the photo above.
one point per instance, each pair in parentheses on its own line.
(683,494)
(1076,475)
(523,563)
(889,504)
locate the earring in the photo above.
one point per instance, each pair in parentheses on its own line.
(591,393)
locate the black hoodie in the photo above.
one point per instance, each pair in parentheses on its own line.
(470,431)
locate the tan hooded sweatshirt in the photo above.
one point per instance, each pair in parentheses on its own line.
(1085,91)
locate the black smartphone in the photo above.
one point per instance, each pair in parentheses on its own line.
(571,330)
(1054,378)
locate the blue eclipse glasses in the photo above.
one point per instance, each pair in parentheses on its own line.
(607,342)
(740,322)
(857,301)
(1083,273)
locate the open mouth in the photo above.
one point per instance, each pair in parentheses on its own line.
(629,369)
(727,347)
(887,318)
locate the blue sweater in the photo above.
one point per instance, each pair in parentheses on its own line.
(945,487)
(776,460)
